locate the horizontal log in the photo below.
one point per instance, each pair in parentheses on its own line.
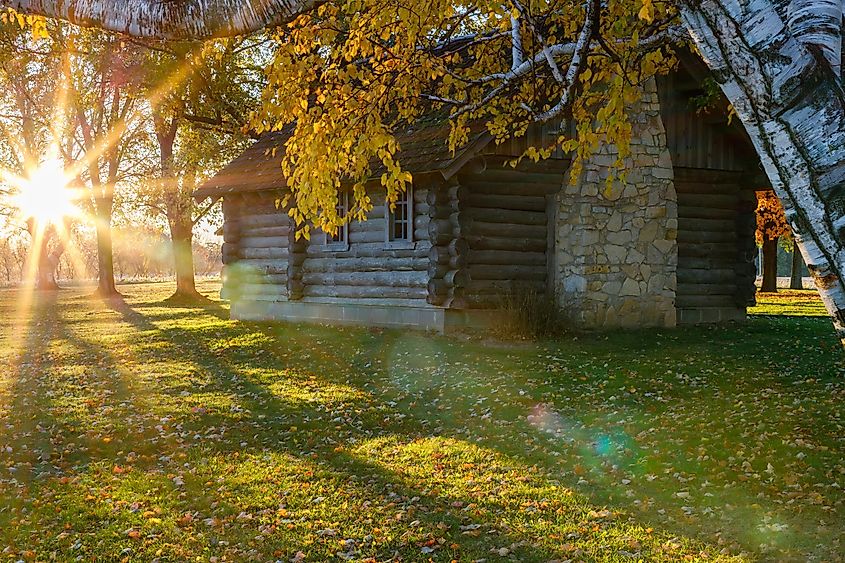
(371,250)
(278,219)
(507,257)
(351,291)
(700,225)
(373,224)
(717,249)
(688,289)
(685,174)
(533,244)
(722,275)
(519,202)
(504,230)
(283,231)
(705,301)
(267,266)
(692,187)
(716,201)
(264,242)
(420,195)
(693,212)
(368,236)
(706,262)
(705,236)
(500,272)
(377,212)
(251,253)
(392,302)
(553,180)
(481,188)
(246,289)
(371,279)
(365,264)
(507,216)
(259,298)
(504,287)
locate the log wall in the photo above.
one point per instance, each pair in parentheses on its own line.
(716,248)
(504,227)
(257,245)
(369,271)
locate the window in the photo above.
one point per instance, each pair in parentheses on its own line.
(400,221)
(340,239)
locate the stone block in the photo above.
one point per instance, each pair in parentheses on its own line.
(630,287)
(615,253)
(574,284)
(635,257)
(621,238)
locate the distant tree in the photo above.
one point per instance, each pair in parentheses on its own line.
(204,96)
(29,130)
(771,227)
(796,277)
(104,101)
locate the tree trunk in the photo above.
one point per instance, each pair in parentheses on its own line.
(770,266)
(796,278)
(105,257)
(183,19)
(181,233)
(792,105)
(45,277)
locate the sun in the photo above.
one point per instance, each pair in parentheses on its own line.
(45,196)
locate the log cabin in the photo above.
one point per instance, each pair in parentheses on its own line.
(672,244)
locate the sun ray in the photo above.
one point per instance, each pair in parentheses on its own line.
(107,141)
(23,317)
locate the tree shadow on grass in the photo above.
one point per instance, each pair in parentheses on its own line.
(264,418)
(256,438)
(377,362)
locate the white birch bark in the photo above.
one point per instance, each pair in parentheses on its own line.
(169,19)
(792,105)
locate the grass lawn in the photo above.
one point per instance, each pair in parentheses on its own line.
(147,431)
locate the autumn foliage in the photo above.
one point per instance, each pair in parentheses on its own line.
(771,219)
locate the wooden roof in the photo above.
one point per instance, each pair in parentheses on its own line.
(258,169)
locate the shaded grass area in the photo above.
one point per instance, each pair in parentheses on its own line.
(144,430)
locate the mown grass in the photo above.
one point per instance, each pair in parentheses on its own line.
(150,431)
(790,302)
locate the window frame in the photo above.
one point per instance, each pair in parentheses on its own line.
(390,242)
(329,243)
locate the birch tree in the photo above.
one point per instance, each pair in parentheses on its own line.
(778,62)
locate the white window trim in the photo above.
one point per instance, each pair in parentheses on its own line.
(389,242)
(330,245)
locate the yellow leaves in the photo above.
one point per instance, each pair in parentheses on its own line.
(37,24)
(771,218)
(647,11)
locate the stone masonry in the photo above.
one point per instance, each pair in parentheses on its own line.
(616,247)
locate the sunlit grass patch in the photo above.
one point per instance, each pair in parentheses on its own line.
(163,431)
(790,302)
(293,386)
